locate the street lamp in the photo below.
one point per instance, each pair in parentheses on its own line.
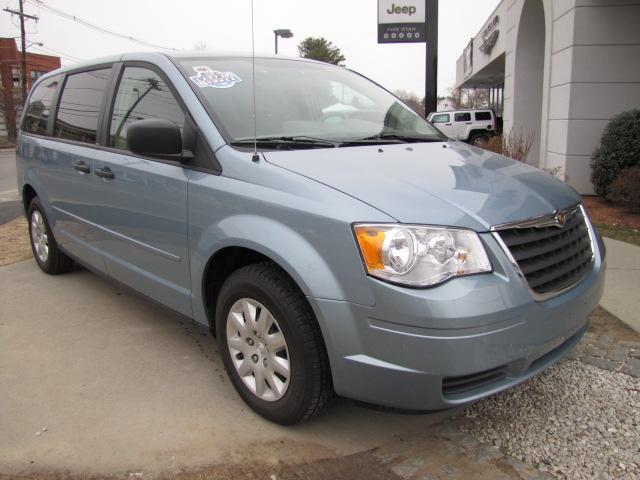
(31,44)
(282,32)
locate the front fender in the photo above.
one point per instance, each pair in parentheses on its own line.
(285,246)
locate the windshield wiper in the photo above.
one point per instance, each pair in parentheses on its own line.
(285,141)
(400,138)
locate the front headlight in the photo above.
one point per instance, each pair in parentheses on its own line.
(420,256)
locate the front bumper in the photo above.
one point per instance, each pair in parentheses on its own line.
(399,352)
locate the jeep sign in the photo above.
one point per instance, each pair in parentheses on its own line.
(401,21)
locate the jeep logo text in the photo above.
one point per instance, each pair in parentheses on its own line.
(398,9)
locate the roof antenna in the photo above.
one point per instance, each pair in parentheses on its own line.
(255,157)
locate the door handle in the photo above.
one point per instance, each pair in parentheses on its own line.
(447,124)
(82,167)
(468,123)
(105,172)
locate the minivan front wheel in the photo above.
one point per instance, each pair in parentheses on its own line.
(271,344)
(258,349)
(46,252)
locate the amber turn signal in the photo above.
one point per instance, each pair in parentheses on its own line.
(370,241)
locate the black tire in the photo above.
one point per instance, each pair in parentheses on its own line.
(56,261)
(478,138)
(310,387)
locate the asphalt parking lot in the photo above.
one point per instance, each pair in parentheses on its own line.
(100,383)
(9,205)
(121,385)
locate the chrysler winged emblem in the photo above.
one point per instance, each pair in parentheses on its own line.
(561,219)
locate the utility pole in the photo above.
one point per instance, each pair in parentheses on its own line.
(23,37)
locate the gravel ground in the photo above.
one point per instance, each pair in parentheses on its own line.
(574,421)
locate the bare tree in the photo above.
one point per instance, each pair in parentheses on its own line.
(411,99)
(469,97)
(10,105)
(200,45)
(456,97)
(514,144)
(477,98)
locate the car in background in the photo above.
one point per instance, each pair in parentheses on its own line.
(472,126)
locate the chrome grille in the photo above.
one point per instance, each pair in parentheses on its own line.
(550,257)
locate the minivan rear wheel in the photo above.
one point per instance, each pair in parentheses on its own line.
(271,344)
(45,249)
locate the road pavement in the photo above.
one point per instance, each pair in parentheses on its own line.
(8,184)
(10,207)
(122,385)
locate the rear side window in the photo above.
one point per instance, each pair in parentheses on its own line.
(482,116)
(441,118)
(79,107)
(463,117)
(141,94)
(37,114)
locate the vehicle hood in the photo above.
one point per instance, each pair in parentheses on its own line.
(442,183)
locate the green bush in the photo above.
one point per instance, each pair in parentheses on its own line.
(619,149)
(625,189)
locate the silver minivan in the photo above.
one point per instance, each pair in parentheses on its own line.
(333,240)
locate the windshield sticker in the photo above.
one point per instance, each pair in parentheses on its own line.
(214,79)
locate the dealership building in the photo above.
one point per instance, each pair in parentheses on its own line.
(559,69)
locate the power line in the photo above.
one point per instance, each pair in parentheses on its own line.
(70,16)
(44,49)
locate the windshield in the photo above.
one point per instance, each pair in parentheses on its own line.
(296,99)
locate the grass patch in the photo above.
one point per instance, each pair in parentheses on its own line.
(624,234)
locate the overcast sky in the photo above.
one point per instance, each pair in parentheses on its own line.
(226,25)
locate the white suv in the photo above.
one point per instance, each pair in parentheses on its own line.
(473,126)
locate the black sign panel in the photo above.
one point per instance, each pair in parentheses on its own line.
(401,33)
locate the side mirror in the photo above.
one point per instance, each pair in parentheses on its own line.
(155,137)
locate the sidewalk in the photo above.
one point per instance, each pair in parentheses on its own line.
(622,285)
(10,206)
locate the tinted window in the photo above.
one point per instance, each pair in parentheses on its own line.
(463,117)
(141,94)
(79,108)
(39,108)
(442,118)
(483,116)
